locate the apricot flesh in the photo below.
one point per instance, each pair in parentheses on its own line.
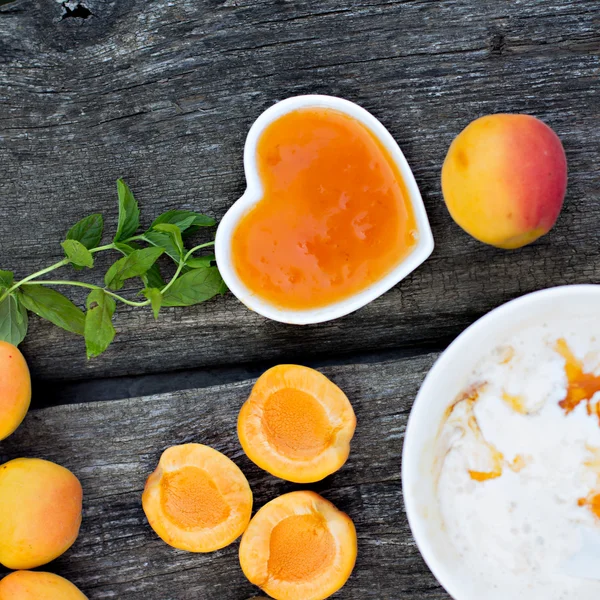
(504,179)
(197,499)
(299,547)
(40,512)
(36,585)
(15,389)
(296,424)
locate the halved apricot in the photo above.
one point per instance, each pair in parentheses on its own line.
(36,585)
(299,547)
(197,499)
(296,424)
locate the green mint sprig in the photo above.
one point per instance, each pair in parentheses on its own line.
(195,280)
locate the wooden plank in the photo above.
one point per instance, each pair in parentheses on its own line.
(163,94)
(113,446)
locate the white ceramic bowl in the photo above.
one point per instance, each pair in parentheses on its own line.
(443,383)
(253,195)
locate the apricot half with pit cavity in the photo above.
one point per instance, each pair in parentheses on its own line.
(296,424)
(299,547)
(197,499)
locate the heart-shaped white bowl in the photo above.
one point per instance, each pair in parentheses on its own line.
(420,456)
(254,194)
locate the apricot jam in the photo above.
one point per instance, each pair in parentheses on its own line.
(335,215)
(592,502)
(581,386)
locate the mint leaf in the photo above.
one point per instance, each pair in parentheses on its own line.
(197,262)
(6,279)
(155,297)
(13,320)
(152,277)
(133,265)
(174,233)
(162,239)
(129,213)
(194,287)
(78,254)
(53,306)
(88,231)
(182,223)
(128,248)
(99,331)
(181,218)
(223,289)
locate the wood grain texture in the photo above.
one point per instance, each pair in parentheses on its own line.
(113,446)
(164,92)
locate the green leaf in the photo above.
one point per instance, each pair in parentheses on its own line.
(78,254)
(197,262)
(163,240)
(181,218)
(182,224)
(223,289)
(194,287)
(88,231)
(126,249)
(152,277)
(174,233)
(13,320)
(129,213)
(99,330)
(6,279)
(133,265)
(53,306)
(155,297)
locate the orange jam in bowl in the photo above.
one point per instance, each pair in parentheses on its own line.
(335,215)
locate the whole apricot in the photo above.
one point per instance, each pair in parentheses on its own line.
(35,585)
(15,389)
(40,512)
(504,179)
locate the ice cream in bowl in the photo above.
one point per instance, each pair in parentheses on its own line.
(501,460)
(331,218)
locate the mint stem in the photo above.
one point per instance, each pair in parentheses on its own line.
(182,264)
(60,263)
(90,286)
(175,276)
(65,261)
(197,248)
(101,248)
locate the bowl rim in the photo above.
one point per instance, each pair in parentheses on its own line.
(253,195)
(410,456)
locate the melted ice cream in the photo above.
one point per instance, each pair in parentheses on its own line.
(521,474)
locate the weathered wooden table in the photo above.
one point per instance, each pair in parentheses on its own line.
(162,93)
